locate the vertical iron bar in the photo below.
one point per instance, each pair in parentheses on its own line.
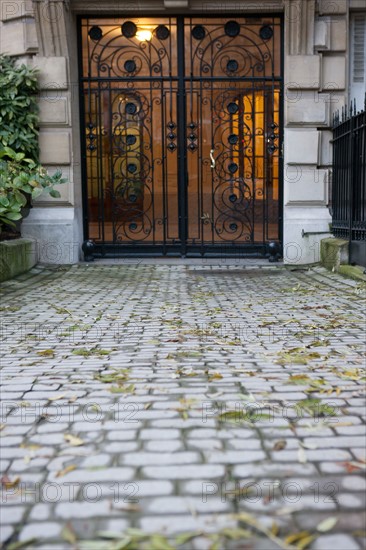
(181,133)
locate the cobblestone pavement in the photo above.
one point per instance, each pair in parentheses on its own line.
(186,406)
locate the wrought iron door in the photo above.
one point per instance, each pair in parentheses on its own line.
(181,119)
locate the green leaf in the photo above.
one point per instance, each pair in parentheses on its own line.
(14,216)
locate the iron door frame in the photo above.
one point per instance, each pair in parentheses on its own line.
(93,249)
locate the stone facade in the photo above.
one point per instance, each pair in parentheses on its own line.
(316,53)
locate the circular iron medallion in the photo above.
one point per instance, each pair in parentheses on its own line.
(232,28)
(199,32)
(129,29)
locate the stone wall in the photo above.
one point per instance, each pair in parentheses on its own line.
(43,32)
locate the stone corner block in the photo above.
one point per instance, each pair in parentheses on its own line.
(303,72)
(334,72)
(301,146)
(307,109)
(15,9)
(53,72)
(306,185)
(54,148)
(53,110)
(17,38)
(334,252)
(332,7)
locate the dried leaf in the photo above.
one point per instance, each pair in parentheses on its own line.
(186,537)
(9,484)
(122,389)
(304,543)
(279,445)
(327,524)
(68,534)
(56,397)
(46,353)
(66,470)
(295,537)
(73,440)
(21,544)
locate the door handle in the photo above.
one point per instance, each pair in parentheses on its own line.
(213,162)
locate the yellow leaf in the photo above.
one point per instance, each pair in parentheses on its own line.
(8,483)
(73,440)
(68,535)
(66,470)
(275,528)
(295,537)
(304,543)
(56,397)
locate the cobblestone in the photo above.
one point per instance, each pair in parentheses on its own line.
(189,394)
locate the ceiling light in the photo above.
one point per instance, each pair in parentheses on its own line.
(143,35)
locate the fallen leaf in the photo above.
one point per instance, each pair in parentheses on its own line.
(353,466)
(46,353)
(327,524)
(186,537)
(304,543)
(56,397)
(301,455)
(21,544)
(66,470)
(295,537)
(122,389)
(279,445)
(68,534)
(73,440)
(9,484)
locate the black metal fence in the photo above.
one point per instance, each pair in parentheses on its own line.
(348,197)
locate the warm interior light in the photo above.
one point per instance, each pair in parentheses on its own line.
(143,35)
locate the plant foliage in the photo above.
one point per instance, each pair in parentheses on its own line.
(21,180)
(18,107)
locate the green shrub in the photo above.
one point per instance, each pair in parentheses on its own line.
(21,180)
(18,107)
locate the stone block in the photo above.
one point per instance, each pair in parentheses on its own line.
(53,72)
(332,7)
(54,148)
(18,37)
(306,185)
(338,35)
(326,149)
(15,9)
(16,257)
(308,108)
(57,234)
(334,72)
(303,72)
(53,110)
(301,146)
(322,34)
(333,253)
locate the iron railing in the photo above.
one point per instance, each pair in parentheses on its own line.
(348,196)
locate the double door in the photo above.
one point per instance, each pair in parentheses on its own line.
(182,134)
